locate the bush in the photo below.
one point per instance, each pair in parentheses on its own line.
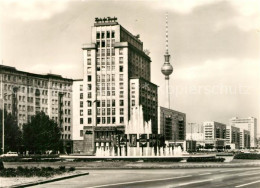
(205,159)
(71,169)
(247,156)
(30,172)
(62,168)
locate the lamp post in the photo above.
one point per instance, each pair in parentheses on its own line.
(3,117)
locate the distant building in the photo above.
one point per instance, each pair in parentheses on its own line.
(213,133)
(194,131)
(26,94)
(172,124)
(244,139)
(249,124)
(233,137)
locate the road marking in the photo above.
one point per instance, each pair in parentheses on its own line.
(141,181)
(204,174)
(248,174)
(248,183)
(193,182)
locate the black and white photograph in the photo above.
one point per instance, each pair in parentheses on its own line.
(130,93)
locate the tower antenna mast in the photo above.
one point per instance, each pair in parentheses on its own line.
(167,68)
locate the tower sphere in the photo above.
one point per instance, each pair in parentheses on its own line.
(167,69)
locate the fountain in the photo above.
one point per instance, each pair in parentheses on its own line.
(138,129)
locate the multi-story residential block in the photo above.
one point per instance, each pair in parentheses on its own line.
(233,137)
(117,76)
(244,139)
(249,124)
(172,124)
(26,93)
(213,132)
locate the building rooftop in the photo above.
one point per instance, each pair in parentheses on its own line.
(47,76)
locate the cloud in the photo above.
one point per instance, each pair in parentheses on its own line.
(231,69)
(30,10)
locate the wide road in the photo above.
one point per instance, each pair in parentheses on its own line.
(203,177)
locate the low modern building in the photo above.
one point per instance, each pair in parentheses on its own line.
(233,137)
(26,94)
(244,139)
(194,131)
(214,133)
(249,124)
(172,124)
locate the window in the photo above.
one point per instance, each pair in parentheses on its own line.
(113,77)
(98,111)
(108,111)
(98,78)
(108,51)
(98,103)
(121,85)
(103,111)
(121,119)
(81,87)
(121,68)
(81,96)
(113,51)
(81,112)
(113,34)
(121,102)
(89,120)
(81,120)
(89,61)
(89,94)
(103,44)
(103,34)
(89,70)
(108,34)
(81,133)
(98,35)
(121,60)
(133,102)
(108,43)
(89,87)
(103,120)
(103,103)
(81,104)
(108,77)
(121,111)
(113,111)
(121,95)
(108,120)
(113,102)
(98,120)
(89,111)
(108,103)
(113,120)
(121,51)
(88,53)
(89,103)
(89,78)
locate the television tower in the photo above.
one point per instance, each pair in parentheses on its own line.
(167,68)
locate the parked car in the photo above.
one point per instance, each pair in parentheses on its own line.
(10,154)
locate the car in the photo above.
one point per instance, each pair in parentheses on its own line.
(10,154)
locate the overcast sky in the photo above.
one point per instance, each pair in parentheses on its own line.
(214,47)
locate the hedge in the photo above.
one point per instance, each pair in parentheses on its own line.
(247,156)
(30,172)
(205,159)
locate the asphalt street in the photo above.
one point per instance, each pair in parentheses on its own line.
(168,178)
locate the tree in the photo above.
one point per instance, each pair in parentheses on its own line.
(41,134)
(13,134)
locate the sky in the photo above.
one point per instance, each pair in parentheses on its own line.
(214,47)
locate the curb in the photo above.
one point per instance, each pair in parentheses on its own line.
(49,181)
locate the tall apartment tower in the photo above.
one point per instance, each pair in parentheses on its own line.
(117,77)
(249,124)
